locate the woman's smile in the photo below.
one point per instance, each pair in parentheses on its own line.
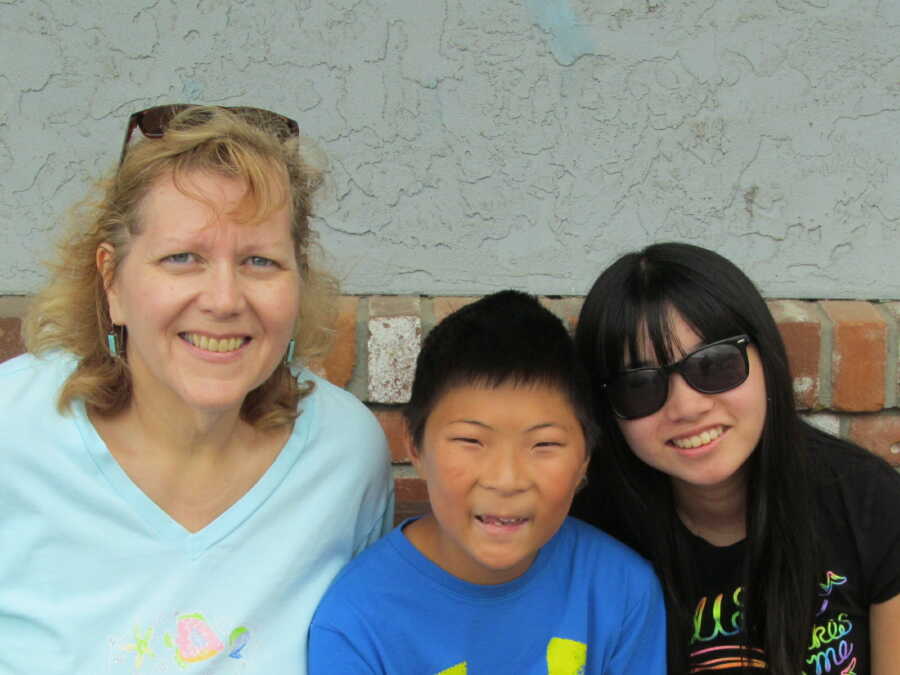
(215,344)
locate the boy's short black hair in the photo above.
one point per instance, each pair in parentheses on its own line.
(503,338)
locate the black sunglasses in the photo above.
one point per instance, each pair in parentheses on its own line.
(710,369)
(153,122)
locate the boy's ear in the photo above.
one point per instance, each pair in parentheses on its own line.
(412,451)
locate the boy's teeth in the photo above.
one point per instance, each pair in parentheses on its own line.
(214,344)
(698,440)
(496,520)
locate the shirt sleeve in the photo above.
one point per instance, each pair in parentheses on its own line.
(387,521)
(359,445)
(384,518)
(330,651)
(642,639)
(341,638)
(878,530)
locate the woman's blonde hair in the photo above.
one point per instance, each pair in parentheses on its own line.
(72,313)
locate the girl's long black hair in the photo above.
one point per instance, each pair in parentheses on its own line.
(635,297)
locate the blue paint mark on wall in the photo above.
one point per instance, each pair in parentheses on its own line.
(569,38)
(191,90)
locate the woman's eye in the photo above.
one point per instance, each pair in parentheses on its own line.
(465,439)
(260,261)
(179,258)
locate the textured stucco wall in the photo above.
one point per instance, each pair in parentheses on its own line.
(478,145)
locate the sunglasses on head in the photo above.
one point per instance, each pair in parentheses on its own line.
(710,369)
(153,122)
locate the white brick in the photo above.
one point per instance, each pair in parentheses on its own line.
(394,343)
(826,422)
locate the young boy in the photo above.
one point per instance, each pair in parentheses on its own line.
(496,579)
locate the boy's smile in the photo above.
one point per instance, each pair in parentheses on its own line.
(501,465)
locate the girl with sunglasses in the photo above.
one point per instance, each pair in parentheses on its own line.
(178,488)
(778,545)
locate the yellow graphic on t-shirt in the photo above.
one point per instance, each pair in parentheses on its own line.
(458,669)
(566,657)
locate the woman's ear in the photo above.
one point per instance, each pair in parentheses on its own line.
(106,267)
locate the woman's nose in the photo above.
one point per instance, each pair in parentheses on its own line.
(222,294)
(684,402)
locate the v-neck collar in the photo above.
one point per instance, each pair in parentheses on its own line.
(162,525)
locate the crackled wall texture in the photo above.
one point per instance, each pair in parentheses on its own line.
(479,145)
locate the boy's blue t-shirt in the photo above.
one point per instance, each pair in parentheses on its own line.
(587,605)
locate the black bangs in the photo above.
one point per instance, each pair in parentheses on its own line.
(703,314)
(637,299)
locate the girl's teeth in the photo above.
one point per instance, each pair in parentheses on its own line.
(698,440)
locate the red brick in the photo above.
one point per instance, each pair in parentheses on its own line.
(10,338)
(879,432)
(411,498)
(395,430)
(410,489)
(566,309)
(859,355)
(801,330)
(444,306)
(404,510)
(340,361)
(893,309)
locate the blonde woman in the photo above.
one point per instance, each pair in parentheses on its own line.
(177,490)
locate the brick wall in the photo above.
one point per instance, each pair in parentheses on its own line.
(844,356)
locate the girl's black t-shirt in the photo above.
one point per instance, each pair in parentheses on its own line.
(858,501)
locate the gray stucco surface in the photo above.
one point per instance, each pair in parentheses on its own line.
(512,143)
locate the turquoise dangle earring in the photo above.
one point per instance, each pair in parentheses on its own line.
(112,342)
(290,351)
